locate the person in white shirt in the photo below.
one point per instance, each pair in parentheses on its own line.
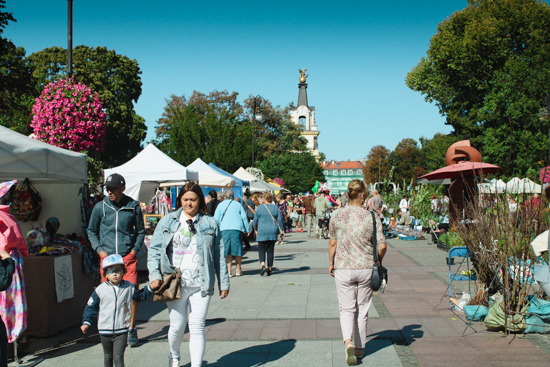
(404,204)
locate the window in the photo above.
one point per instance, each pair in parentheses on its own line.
(350,172)
(343,172)
(335,173)
(359,172)
(325,172)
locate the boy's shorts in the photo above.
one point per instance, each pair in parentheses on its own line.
(130,263)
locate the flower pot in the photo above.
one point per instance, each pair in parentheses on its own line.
(450,260)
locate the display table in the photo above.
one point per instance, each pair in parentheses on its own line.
(46,317)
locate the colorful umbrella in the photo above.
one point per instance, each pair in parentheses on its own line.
(463,168)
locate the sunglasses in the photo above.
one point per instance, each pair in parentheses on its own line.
(110,271)
(191,226)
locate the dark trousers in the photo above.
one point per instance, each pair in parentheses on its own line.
(113,349)
(269,247)
(3,345)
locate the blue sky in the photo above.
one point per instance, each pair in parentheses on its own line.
(357,54)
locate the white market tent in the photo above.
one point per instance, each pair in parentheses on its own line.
(209,177)
(56,173)
(147,170)
(522,186)
(22,157)
(255,183)
(493,187)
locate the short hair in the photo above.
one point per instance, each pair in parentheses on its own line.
(228,194)
(194,187)
(356,188)
(374,191)
(213,194)
(279,196)
(399,211)
(267,196)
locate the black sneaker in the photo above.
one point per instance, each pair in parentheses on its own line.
(269,272)
(262,272)
(132,337)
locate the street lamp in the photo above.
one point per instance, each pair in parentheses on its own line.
(70,37)
(544,115)
(256,116)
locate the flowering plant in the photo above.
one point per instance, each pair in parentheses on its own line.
(71,116)
(545,175)
(279,181)
(256,172)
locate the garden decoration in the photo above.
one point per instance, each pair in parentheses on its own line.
(463,163)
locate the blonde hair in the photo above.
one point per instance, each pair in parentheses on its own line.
(356,188)
(279,196)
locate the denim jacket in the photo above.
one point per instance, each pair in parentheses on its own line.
(211,251)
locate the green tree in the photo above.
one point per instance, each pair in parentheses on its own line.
(407,160)
(377,164)
(487,70)
(276,129)
(115,78)
(210,127)
(16,91)
(433,150)
(298,170)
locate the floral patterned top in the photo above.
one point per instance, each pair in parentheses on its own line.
(352,228)
(283,208)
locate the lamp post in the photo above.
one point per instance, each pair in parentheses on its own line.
(70,37)
(256,116)
(544,115)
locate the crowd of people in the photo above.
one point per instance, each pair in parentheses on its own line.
(202,239)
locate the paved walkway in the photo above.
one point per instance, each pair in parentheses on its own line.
(291,319)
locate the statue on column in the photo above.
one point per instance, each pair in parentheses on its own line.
(303,75)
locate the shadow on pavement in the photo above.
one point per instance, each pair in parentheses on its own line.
(409,334)
(253,356)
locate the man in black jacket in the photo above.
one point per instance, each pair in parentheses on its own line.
(213,203)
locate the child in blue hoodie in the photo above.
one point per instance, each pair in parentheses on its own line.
(112,301)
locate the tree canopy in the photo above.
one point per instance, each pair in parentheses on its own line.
(115,78)
(217,128)
(407,160)
(298,170)
(377,164)
(16,89)
(488,70)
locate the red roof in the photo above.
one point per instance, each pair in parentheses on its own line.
(341,165)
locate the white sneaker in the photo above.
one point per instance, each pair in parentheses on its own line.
(173,362)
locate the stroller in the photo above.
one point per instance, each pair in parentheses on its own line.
(323,226)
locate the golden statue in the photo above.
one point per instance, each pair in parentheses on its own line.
(303,75)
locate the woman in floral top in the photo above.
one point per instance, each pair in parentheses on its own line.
(350,263)
(283,208)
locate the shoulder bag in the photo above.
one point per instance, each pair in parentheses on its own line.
(170,289)
(277,223)
(379,272)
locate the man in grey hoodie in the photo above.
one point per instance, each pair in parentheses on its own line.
(116,227)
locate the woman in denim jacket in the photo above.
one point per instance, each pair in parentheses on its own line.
(188,239)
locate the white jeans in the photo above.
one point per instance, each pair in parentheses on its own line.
(198,308)
(354,299)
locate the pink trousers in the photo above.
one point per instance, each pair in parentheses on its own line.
(354,300)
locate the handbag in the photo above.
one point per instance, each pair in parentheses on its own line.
(379,272)
(170,289)
(294,216)
(27,202)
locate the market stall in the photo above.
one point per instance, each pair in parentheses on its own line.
(56,290)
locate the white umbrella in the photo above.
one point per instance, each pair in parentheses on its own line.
(493,187)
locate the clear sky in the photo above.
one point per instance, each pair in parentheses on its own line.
(357,54)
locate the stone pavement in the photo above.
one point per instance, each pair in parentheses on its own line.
(291,319)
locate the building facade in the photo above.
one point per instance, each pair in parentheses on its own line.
(338,175)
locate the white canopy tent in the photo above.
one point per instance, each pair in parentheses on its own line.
(209,177)
(255,183)
(493,187)
(56,173)
(147,170)
(22,157)
(522,186)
